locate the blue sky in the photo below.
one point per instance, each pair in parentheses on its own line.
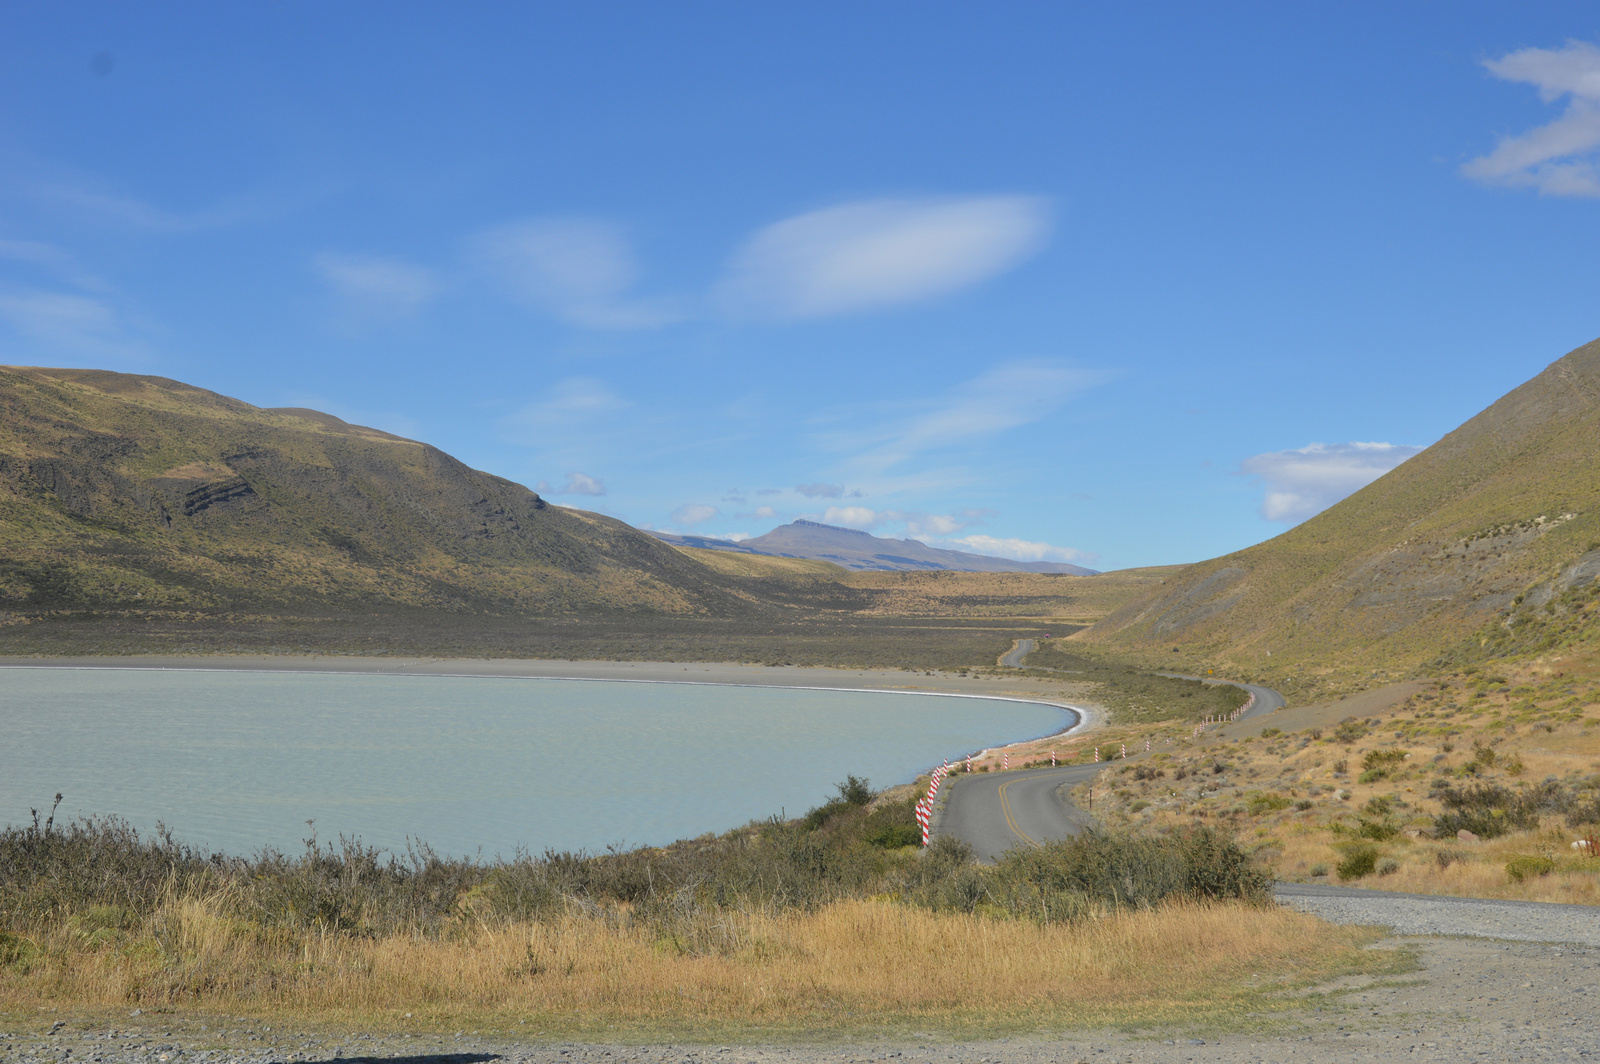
(1117,284)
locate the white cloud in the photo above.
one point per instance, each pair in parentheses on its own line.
(580,270)
(1308,480)
(61,320)
(1006,397)
(376,286)
(572,401)
(916,525)
(764,513)
(1558,158)
(1021,550)
(877,253)
(820,491)
(694,514)
(577,484)
(862,517)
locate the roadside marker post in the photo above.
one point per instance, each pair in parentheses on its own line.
(1124,751)
(1052,759)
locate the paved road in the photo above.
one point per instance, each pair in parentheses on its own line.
(1013,657)
(995,811)
(1267,700)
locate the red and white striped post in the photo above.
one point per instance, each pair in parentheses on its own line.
(1052,759)
(1005,762)
(1097,753)
(1124,751)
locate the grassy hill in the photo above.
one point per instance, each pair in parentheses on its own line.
(142,515)
(133,493)
(1486,543)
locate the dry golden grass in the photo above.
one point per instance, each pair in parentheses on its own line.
(854,965)
(730,563)
(1538,717)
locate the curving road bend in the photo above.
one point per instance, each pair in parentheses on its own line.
(996,812)
(1012,659)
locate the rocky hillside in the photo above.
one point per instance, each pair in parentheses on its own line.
(1487,542)
(130,495)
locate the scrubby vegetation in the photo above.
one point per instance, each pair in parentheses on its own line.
(773,924)
(1482,783)
(1133,695)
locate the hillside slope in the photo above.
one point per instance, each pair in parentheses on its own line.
(1492,530)
(130,493)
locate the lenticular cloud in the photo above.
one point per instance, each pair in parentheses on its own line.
(875,253)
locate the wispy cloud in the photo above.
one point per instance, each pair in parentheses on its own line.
(878,253)
(1006,397)
(1308,480)
(71,323)
(582,271)
(694,514)
(577,484)
(913,524)
(1021,550)
(1558,158)
(372,286)
(820,491)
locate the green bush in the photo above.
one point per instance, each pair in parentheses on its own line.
(1359,860)
(1063,879)
(1490,810)
(1261,804)
(1524,866)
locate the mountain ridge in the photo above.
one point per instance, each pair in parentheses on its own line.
(859,551)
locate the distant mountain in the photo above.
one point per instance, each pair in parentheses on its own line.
(1487,542)
(133,494)
(854,549)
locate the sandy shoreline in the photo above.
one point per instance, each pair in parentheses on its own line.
(729,673)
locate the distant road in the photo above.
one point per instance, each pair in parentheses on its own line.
(994,812)
(1013,657)
(1267,700)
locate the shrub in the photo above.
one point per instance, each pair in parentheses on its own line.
(1304,804)
(1261,804)
(1359,860)
(1489,810)
(1377,829)
(894,836)
(1387,866)
(1350,731)
(1522,867)
(1319,870)
(1060,880)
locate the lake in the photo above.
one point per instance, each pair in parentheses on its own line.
(235,761)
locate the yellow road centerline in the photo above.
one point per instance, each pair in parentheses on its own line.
(1011,821)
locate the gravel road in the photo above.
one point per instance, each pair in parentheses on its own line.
(1427,914)
(1474,1000)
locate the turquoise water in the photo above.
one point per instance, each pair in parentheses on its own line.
(234,761)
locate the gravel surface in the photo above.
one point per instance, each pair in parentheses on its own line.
(1430,914)
(1474,1000)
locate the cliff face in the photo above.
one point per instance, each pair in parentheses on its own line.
(120,491)
(1500,516)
